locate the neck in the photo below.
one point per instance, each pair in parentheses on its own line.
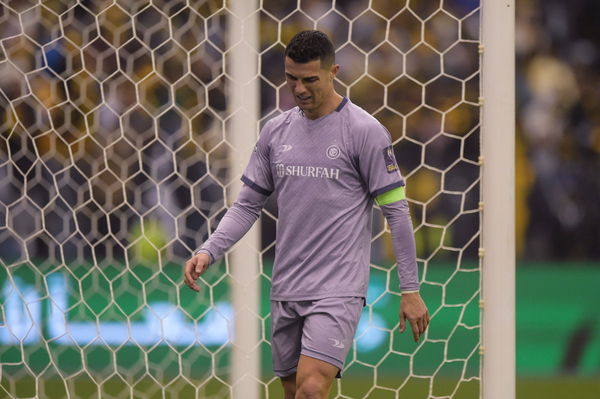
(328,106)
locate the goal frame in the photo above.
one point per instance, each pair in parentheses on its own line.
(497,248)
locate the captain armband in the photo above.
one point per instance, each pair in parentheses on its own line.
(391,196)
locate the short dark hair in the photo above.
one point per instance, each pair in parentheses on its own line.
(310,45)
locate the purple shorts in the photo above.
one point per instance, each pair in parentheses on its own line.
(322,329)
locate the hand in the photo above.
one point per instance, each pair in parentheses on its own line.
(414,309)
(194,268)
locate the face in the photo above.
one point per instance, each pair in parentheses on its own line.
(311,85)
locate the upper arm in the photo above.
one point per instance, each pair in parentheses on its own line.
(257,174)
(391,196)
(376,160)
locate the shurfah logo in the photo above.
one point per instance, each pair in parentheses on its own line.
(307,171)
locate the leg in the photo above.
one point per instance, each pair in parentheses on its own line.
(286,333)
(314,378)
(289,386)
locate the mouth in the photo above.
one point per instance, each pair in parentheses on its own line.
(304,99)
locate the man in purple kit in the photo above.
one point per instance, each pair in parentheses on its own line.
(327,161)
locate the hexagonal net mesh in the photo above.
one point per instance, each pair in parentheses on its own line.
(114,163)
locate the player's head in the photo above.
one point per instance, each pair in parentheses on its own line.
(311,45)
(310,70)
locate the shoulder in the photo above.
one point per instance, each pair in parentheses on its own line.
(276,123)
(272,127)
(362,124)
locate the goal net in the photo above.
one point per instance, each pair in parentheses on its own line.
(117,154)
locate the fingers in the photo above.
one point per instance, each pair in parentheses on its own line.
(193,269)
(418,325)
(199,268)
(413,309)
(190,275)
(402,322)
(416,329)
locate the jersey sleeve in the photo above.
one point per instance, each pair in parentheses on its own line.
(235,224)
(403,240)
(257,174)
(376,161)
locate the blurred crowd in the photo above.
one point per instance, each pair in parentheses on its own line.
(558,129)
(114,120)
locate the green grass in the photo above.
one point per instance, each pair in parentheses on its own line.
(82,386)
(527,388)
(558,388)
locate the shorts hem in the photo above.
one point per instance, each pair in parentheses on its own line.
(285,372)
(316,297)
(326,358)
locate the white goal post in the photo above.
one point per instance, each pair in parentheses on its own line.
(498,200)
(243,67)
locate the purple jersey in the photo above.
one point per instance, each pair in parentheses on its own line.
(325,174)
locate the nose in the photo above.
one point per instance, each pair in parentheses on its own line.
(299,88)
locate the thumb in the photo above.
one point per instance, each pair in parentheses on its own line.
(196,264)
(402,322)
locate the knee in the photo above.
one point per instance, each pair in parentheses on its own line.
(312,387)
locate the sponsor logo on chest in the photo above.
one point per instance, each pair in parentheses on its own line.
(332,152)
(319,172)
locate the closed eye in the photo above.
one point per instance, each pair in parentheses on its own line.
(310,79)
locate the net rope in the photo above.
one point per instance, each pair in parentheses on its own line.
(114,153)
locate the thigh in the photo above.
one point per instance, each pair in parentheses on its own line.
(286,337)
(329,329)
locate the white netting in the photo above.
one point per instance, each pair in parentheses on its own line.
(114,153)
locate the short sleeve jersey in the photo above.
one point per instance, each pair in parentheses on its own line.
(325,174)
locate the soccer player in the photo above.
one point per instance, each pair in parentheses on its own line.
(326,160)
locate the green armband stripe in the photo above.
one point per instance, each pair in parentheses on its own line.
(394,195)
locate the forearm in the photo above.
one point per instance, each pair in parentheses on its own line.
(235,224)
(403,240)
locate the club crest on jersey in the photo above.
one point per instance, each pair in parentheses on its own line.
(333,152)
(390,159)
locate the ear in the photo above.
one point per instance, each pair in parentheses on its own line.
(335,68)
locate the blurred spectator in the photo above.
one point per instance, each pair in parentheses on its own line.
(126,107)
(558,92)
